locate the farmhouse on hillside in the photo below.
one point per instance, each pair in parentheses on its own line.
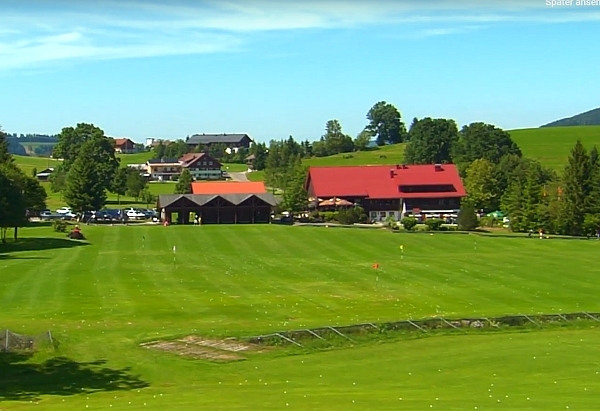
(44,175)
(390,191)
(219,203)
(231,141)
(124,146)
(201,166)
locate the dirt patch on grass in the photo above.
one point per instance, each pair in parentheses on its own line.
(197,347)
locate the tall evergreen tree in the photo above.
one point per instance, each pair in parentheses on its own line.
(86,181)
(576,186)
(5,156)
(295,197)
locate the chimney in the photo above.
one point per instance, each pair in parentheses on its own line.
(438,167)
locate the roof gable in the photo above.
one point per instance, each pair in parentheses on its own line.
(217,138)
(123,141)
(192,159)
(163,161)
(175,200)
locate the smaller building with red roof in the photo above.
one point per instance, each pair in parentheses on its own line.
(229,187)
(219,203)
(390,191)
(124,146)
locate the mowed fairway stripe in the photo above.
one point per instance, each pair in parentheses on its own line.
(148,268)
(111,249)
(173,274)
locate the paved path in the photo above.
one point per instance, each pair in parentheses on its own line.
(238,176)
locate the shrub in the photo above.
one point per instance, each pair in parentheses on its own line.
(489,221)
(467,219)
(315,217)
(328,216)
(59,226)
(409,223)
(342,217)
(434,224)
(357,215)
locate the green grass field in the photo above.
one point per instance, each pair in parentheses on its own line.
(552,145)
(101,300)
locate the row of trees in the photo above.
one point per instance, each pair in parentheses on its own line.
(20,194)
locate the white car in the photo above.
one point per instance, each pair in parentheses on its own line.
(135,214)
(64,210)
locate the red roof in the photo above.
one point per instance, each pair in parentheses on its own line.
(190,159)
(385,182)
(229,187)
(119,142)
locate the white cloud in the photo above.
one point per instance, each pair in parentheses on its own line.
(110,29)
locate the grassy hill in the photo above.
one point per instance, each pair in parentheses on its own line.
(589,118)
(552,145)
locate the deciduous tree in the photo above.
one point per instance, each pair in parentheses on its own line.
(480,140)
(135,183)
(386,123)
(335,140)
(12,203)
(184,183)
(480,183)
(361,142)
(431,141)
(71,139)
(119,183)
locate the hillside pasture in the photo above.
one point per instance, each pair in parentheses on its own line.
(127,287)
(552,145)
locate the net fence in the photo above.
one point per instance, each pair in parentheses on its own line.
(350,332)
(12,342)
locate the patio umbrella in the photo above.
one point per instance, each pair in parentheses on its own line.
(342,202)
(496,214)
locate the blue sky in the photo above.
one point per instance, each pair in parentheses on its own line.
(143,69)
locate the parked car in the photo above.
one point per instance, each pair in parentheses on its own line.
(150,213)
(69,216)
(46,214)
(135,214)
(64,210)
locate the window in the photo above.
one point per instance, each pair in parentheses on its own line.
(210,163)
(441,188)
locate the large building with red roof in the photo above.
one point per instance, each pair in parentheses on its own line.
(390,191)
